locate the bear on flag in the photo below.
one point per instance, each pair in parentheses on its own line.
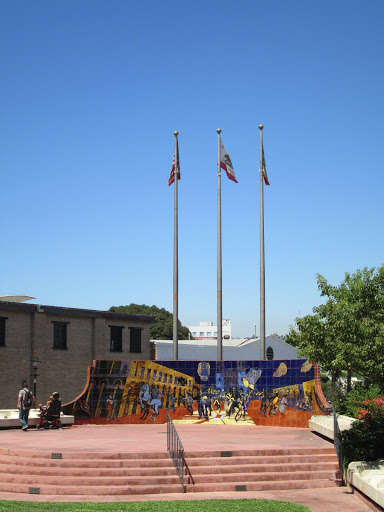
(226,164)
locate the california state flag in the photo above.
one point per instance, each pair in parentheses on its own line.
(226,164)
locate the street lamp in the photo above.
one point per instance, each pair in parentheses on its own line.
(35,365)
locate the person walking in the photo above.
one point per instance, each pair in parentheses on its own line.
(24,404)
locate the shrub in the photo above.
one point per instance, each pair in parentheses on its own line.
(364,440)
(350,404)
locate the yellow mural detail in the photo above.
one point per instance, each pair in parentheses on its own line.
(294,389)
(306,366)
(282,370)
(308,386)
(165,379)
(99,398)
(287,390)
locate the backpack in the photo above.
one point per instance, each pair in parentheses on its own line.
(27,402)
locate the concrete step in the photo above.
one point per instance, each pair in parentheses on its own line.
(267,476)
(85,463)
(261,452)
(262,468)
(90,471)
(31,454)
(291,459)
(261,486)
(100,490)
(89,481)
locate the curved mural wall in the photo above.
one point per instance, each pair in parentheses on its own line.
(278,393)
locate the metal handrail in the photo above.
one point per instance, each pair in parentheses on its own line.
(176,450)
(337,444)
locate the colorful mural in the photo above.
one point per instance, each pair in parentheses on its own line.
(280,393)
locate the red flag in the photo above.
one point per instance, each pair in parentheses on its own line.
(172,175)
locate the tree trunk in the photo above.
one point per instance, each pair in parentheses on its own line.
(349,380)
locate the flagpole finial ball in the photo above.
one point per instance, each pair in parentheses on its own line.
(218,130)
(261,126)
(175,134)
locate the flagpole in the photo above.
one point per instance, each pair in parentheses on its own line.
(219,271)
(175,258)
(262,263)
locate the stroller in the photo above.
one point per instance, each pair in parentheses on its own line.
(50,416)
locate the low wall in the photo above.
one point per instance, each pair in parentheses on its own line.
(278,393)
(9,418)
(368,479)
(324,425)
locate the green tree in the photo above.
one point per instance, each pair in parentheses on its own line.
(162,328)
(347,332)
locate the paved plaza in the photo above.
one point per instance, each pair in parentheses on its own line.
(195,438)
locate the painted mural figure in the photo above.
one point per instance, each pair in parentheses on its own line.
(144,398)
(283,404)
(111,408)
(83,410)
(237,407)
(273,402)
(228,404)
(144,394)
(209,406)
(145,410)
(307,403)
(189,404)
(217,403)
(199,406)
(233,402)
(246,401)
(155,404)
(172,401)
(205,407)
(264,403)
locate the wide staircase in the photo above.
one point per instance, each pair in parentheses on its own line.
(122,474)
(262,470)
(87,474)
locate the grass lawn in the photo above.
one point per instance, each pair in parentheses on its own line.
(157,506)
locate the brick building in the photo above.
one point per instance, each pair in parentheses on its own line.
(66,340)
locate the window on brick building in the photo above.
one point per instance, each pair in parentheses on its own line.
(2,330)
(135,336)
(116,338)
(60,335)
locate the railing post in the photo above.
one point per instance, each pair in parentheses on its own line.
(175,449)
(337,444)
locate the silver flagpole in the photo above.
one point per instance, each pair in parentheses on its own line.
(175,259)
(219,273)
(262,264)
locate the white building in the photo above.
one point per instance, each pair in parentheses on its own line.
(206,330)
(233,350)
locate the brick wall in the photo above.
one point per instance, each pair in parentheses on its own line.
(29,333)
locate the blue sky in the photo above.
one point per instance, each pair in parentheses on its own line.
(91,93)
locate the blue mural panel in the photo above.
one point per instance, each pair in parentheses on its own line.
(224,392)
